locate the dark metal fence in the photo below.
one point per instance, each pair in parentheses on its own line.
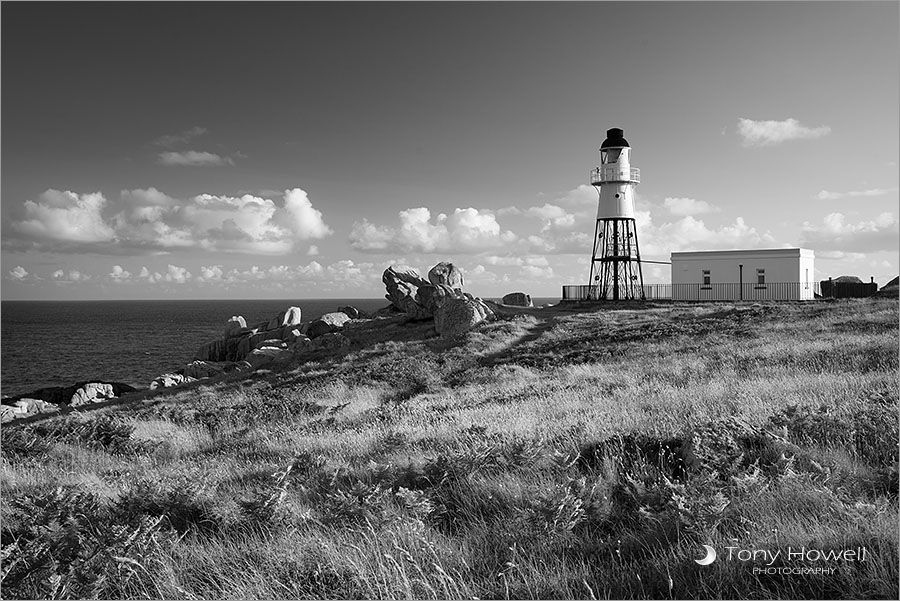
(736,292)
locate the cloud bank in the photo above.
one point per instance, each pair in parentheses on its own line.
(836,234)
(149,220)
(827,195)
(193,158)
(183,137)
(465,231)
(769,133)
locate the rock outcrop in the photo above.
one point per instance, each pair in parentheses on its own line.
(235,326)
(350,311)
(430,297)
(268,352)
(240,340)
(170,381)
(330,322)
(25,408)
(62,395)
(93,392)
(224,349)
(446,274)
(456,316)
(401,282)
(209,369)
(518,299)
(288,317)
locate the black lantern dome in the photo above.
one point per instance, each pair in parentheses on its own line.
(615,139)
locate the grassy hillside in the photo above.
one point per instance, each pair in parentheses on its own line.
(559,453)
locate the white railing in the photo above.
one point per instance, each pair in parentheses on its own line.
(601,174)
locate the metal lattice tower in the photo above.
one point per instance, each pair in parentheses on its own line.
(616,260)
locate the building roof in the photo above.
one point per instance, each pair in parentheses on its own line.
(750,252)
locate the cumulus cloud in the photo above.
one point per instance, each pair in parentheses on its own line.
(65,217)
(688,206)
(827,195)
(835,233)
(554,216)
(147,276)
(210,274)
(18,273)
(517,261)
(768,133)
(463,231)
(305,221)
(119,274)
(571,218)
(690,233)
(150,220)
(183,137)
(177,275)
(344,272)
(73,275)
(193,158)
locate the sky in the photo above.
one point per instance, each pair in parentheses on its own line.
(296,150)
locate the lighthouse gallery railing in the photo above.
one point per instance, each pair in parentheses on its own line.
(610,174)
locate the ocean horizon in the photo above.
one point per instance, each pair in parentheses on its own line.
(57,343)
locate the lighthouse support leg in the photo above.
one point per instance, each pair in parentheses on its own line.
(616,249)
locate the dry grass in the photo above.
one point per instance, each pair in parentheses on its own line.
(568,453)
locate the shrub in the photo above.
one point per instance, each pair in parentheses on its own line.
(868,431)
(64,543)
(184,504)
(22,442)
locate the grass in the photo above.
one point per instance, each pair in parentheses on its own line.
(567,453)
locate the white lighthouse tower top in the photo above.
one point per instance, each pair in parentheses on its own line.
(615,178)
(615,160)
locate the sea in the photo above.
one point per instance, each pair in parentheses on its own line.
(59,343)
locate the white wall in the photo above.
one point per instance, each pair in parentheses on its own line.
(781,266)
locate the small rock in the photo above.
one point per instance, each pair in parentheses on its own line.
(171,380)
(446,274)
(330,322)
(235,326)
(33,407)
(93,392)
(518,299)
(207,369)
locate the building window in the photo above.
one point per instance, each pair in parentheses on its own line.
(706,279)
(807,279)
(760,277)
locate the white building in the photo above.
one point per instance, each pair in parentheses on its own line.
(775,274)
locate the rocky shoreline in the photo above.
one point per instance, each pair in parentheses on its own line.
(439,298)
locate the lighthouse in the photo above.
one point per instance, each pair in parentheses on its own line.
(616,259)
